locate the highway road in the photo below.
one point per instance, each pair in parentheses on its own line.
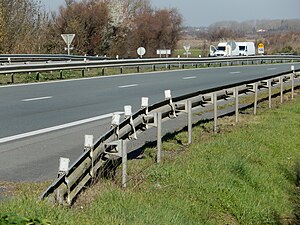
(41,122)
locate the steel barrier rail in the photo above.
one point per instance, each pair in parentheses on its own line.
(97,158)
(8,58)
(86,64)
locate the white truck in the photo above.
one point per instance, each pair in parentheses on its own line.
(225,49)
(232,49)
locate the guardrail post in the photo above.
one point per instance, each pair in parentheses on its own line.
(153,67)
(168,96)
(121,151)
(214,100)
(281,89)
(82,73)
(63,170)
(121,70)
(236,93)
(128,114)
(190,124)
(159,137)
(255,98)
(293,82)
(103,71)
(88,146)
(12,78)
(270,93)
(137,69)
(61,74)
(124,164)
(37,76)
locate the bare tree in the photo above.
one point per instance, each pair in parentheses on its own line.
(21,24)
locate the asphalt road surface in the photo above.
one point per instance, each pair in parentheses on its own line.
(44,121)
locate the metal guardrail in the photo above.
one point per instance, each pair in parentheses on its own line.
(11,58)
(97,156)
(86,63)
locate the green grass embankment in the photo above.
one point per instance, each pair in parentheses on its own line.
(243,175)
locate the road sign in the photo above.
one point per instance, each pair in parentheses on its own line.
(141,51)
(187,50)
(261,48)
(163,52)
(68,38)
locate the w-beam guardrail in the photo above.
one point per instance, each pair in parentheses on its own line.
(97,155)
(86,63)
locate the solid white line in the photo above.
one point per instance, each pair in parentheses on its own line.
(272,69)
(36,99)
(187,78)
(237,72)
(59,127)
(127,86)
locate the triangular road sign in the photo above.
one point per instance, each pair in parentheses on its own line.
(68,38)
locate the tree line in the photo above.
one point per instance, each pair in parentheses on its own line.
(102,27)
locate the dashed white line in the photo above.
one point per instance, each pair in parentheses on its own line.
(36,99)
(128,86)
(59,127)
(272,69)
(236,72)
(188,78)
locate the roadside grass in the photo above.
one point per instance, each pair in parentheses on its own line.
(245,174)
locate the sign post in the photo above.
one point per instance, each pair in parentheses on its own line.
(187,50)
(68,38)
(261,48)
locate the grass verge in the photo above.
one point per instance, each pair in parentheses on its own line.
(246,174)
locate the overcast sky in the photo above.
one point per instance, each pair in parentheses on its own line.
(206,12)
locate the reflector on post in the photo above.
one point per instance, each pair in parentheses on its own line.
(145,102)
(128,110)
(88,141)
(115,119)
(168,94)
(63,165)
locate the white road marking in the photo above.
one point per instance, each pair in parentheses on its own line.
(36,99)
(236,72)
(188,78)
(272,69)
(55,128)
(129,85)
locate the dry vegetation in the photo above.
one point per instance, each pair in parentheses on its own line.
(278,36)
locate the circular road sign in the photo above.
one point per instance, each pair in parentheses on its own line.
(141,51)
